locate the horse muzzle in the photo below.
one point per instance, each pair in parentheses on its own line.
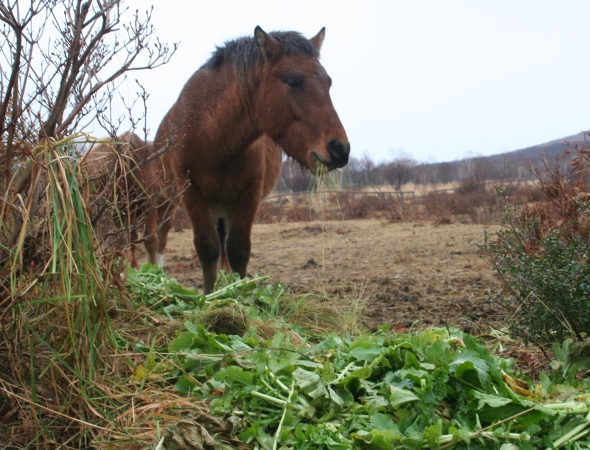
(338,152)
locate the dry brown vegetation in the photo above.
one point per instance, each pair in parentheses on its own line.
(465,203)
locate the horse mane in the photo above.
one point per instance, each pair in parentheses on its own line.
(245,56)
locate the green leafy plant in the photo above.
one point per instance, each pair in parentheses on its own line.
(428,390)
(288,388)
(543,258)
(546,280)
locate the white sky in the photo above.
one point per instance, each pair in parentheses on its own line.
(438,79)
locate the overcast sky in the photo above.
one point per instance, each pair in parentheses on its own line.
(439,80)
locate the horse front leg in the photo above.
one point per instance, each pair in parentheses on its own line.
(239,240)
(205,238)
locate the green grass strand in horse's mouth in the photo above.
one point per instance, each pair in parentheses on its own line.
(320,168)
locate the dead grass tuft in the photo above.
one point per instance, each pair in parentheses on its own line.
(321,314)
(311,314)
(70,374)
(227,320)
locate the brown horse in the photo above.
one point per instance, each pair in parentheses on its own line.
(255,96)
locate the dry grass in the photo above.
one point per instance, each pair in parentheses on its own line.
(321,314)
(311,314)
(68,364)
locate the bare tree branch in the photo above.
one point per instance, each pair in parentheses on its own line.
(61,64)
(56,77)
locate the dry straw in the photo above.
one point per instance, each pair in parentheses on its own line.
(65,376)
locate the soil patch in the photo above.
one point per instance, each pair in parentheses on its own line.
(406,272)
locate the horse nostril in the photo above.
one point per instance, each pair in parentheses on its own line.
(339,152)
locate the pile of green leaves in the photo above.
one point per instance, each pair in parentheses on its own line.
(438,388)
(380,391)
(151,287)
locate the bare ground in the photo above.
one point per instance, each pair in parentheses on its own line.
(405,272)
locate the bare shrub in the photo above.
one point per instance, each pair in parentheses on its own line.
(524,194)
(269,212)
(395,214)
(399,172)
(358,206)
(471,185)
(58,63)
(436,207)
(480,206)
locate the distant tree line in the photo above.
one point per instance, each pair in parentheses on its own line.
(402,170)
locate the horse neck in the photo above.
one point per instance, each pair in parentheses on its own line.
(229,124)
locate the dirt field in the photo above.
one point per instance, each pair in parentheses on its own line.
(405,272)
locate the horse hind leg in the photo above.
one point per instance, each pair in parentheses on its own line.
(133,236)
(163,230)
(150,238)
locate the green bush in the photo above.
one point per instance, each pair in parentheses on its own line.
(545,272)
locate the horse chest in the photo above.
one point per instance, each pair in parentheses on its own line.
(225,184)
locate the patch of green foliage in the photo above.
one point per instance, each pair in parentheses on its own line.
(438,388)
(153,288)
(380,391)
(545,275)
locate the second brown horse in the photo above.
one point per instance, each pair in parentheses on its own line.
(255,96)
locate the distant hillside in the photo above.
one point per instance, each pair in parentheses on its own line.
(509,165)
(553,148)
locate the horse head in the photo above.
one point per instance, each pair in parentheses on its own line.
(293,105)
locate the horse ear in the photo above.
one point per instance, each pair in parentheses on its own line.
(318,39)
(268,46)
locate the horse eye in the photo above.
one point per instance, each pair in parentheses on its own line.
(294,83)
